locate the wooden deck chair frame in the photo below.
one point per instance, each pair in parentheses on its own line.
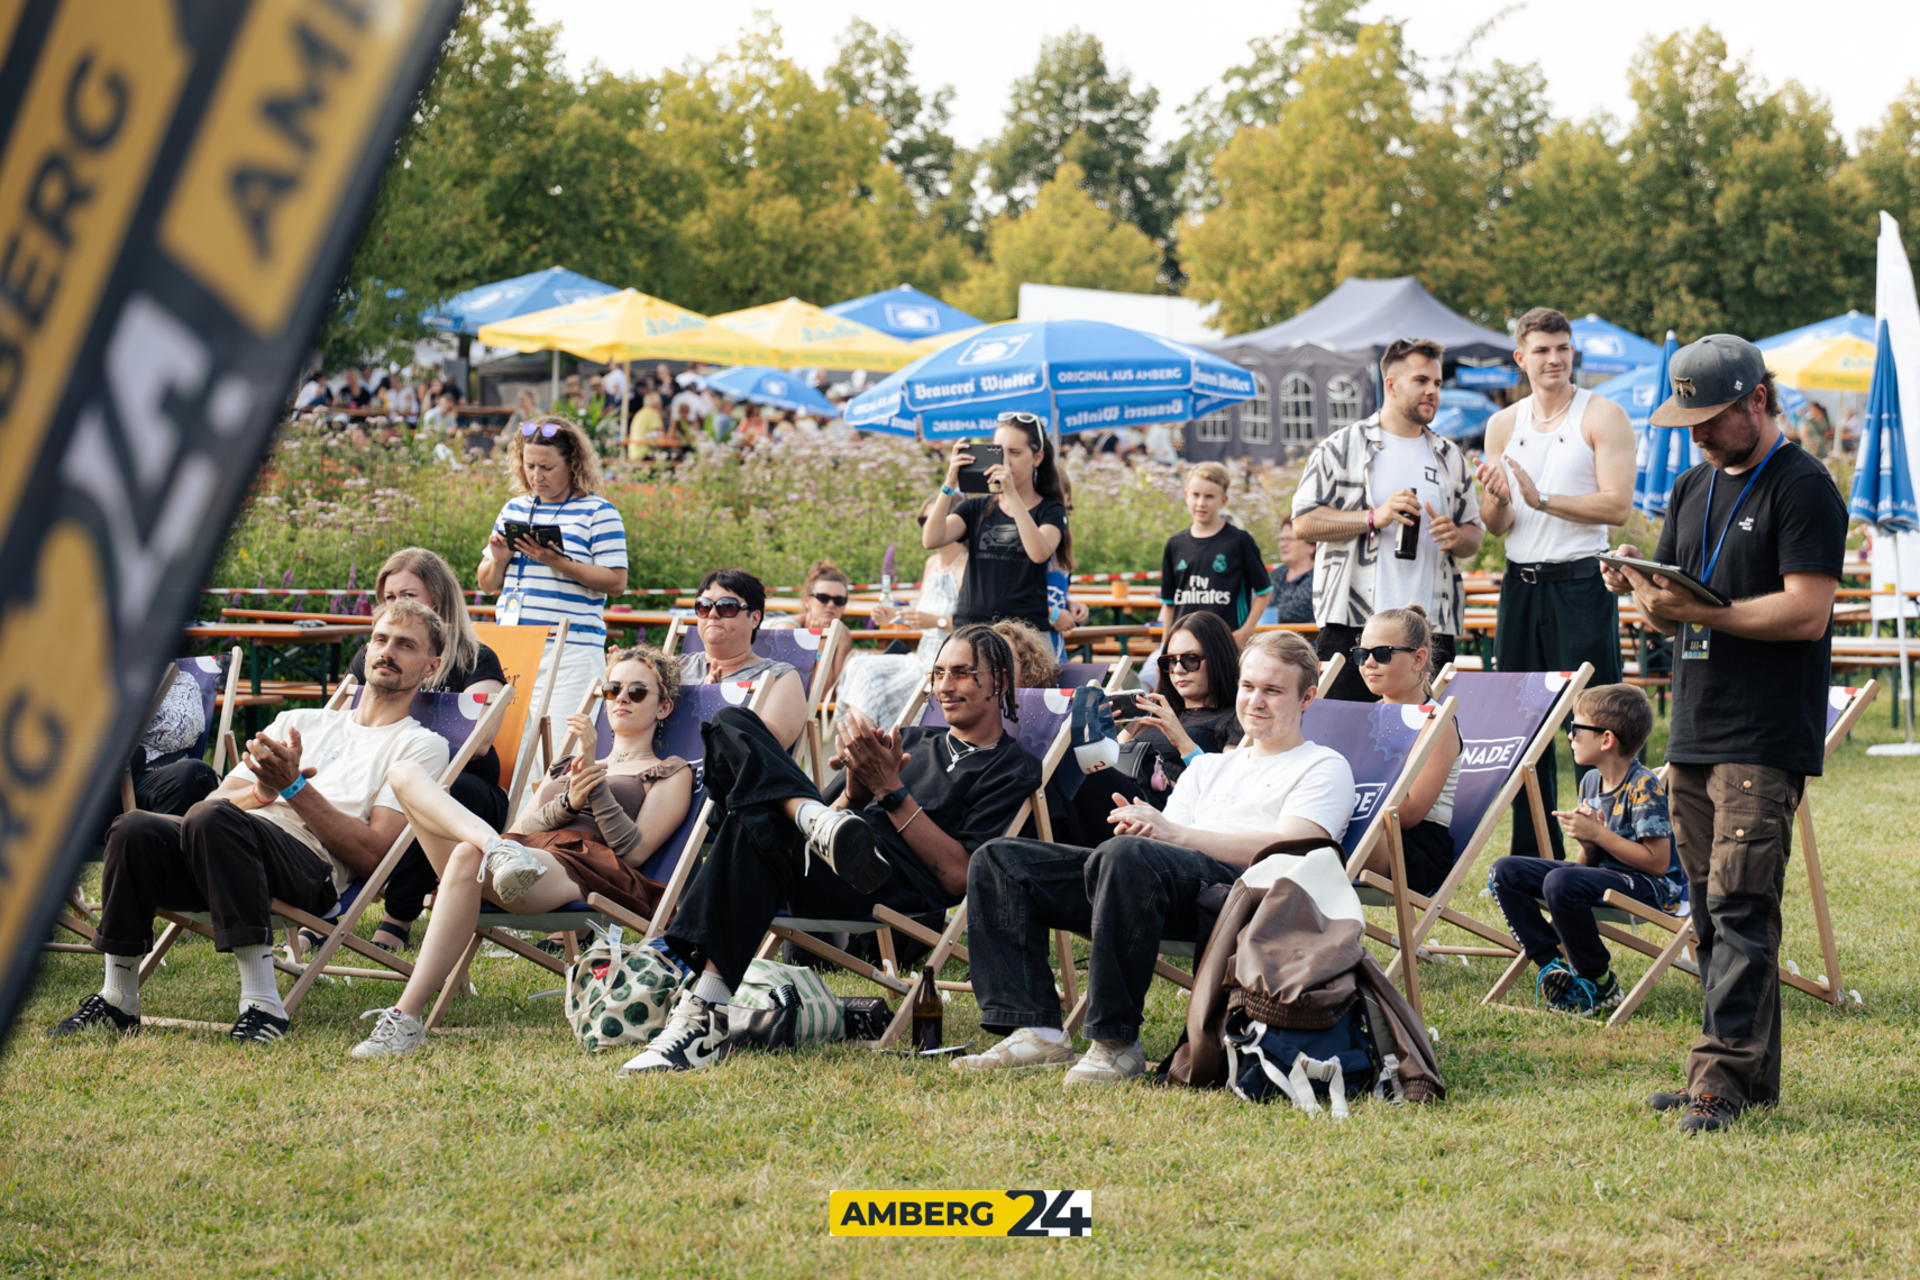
(810,751)
(340,933)
(500,930)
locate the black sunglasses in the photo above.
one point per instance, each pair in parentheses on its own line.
(547,429)
(1382,654)
(635,691)
(824,598)
(1575,727)
(723,608)
(1185,661)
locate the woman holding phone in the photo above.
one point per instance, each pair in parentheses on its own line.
(557,551)
(1012,533)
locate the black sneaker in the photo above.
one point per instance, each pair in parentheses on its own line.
(1093,735)
(694,1038)
(841,839)
(95,1011)
(257,1026)
(1668,1101)
(1709,1113)
(1607,994)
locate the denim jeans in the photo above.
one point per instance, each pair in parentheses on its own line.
(1126,895)
(1571,892)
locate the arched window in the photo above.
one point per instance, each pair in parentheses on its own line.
(1216,427)
(1296,407)
(1343,403)
(1256,415)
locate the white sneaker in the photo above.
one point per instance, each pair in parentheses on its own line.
(694,1038)
(1023,1050)
(395,1034)
(1108,1062)
(511,867)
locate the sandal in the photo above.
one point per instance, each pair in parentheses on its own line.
(393,929)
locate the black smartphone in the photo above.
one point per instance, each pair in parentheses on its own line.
(1126,706)
(973,476)
(544,533)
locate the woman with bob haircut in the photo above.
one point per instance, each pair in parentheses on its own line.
(728,610)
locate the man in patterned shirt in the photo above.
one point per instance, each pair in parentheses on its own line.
(1362,484)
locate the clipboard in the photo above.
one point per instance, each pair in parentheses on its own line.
(1672,573)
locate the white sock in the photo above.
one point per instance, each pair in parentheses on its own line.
(809,810)
(258,990)
(711,989)
(122,989)
(1052,1035)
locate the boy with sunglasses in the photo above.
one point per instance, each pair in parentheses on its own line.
(1626,844)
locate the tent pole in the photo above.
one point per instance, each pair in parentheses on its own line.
(1053,419)
(553,386)
(1900,629)
(626,395)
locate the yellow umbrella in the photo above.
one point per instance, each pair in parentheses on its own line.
(628,325)
(804,336)
(1839,363)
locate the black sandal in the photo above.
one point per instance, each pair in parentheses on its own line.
(393,930)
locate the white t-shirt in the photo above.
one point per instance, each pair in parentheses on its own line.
(614,383)
(1237,792)
(1406,464)
(352,761)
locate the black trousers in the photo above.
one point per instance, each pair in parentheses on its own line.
(219,859)
(1555,626)
(1348,686)
(758,863)
(413,878)
(172,785)
(1126,895)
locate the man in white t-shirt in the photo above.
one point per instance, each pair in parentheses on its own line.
(305,813)
(1144,884)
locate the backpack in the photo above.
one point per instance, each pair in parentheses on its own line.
(1266,1061)
(620,995)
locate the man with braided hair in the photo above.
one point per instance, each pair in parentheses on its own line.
(900,830)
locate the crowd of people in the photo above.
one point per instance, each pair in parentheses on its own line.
(1220,770)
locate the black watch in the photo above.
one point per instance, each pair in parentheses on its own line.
(893,799)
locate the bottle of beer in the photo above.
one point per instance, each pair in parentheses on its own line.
(928,1030)
(1408,547)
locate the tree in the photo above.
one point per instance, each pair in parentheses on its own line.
(871,72)
(1066,238)
(1888,166)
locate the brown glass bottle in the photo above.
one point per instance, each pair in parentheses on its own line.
(928,1026)
(1408,545)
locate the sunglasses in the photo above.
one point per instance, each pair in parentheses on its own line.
(1381,654)
(1576,727)
(547,429)
(633,691)
(724,608)
(1024,419)
(836,601)
(1185,661)
(958,673)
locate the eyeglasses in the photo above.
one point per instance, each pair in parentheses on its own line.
(547,429)
(1185,661)
(1594,729)
(633,691)
(957,673)
(1023,419)
(723,608)
(1381,654)
(836,601)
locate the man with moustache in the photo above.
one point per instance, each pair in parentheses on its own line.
(1760,524)
(1362,484)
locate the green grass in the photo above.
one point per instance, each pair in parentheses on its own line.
(507,1151)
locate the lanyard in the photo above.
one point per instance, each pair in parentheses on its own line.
(1706,522)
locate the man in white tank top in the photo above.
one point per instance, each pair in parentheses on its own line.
(1558,471)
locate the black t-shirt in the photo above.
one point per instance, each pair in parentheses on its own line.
(1212,729)
(1217,575)
(971,798)
(1002,580)
(1755,701)
(486,765)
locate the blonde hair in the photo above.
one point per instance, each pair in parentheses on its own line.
(461,644)
(666,670)
(1416,631)
(583,460)
(1213,473)
(1288,649)
(407,609)
(824,570)
(1035,665)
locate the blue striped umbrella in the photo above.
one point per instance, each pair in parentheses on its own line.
(1653,480)
(1883,497)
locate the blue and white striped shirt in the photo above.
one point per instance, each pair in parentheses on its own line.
(593,533)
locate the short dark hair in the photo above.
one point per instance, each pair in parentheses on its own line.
(993,660)
(1402,349)
(1219,650)
(1540,320)
(1622,710)
(742,584)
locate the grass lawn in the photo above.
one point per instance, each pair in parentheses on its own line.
(505,1150)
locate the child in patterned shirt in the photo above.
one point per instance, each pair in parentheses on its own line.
(1626,844)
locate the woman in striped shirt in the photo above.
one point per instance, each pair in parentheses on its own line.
(556,475)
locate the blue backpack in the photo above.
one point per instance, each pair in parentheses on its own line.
(1305,1065)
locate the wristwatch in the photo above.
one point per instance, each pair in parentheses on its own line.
(1545,498)
(893,799)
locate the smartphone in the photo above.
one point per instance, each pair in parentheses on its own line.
(1126,706)
(973,476)
(544,533)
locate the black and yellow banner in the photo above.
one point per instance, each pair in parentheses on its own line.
(1033,1215)
(180,183)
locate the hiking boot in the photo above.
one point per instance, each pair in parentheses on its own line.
(1021,1051)
(841,839)
(1709,1113)
(1092,733)
(395,1035)
(1668,1101)
(694,1038)
(511,868)
(257,1026)
(95,1011)
(1108,1062)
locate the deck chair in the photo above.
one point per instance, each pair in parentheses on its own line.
(809,650)
(526,657)
(671,864)
(1329,671)
(1506,720)
(1845,706)
(464,721)
(1105,674)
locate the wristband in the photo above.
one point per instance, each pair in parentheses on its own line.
(1191,756)
(950,492)
(1370,525)
(294,788)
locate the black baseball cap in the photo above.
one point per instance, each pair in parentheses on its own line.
(1707,376)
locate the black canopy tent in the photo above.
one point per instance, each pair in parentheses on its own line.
(1319,369)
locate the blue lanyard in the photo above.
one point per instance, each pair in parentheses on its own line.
(1706,521)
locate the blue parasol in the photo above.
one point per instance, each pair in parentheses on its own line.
(1074,375)
(1883,495)
(1658,463)
(1605,347)
(505,299)
(906,313)
(773,387)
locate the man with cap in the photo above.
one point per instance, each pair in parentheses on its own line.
(1760,524)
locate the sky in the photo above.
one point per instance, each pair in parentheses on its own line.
(980,47)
